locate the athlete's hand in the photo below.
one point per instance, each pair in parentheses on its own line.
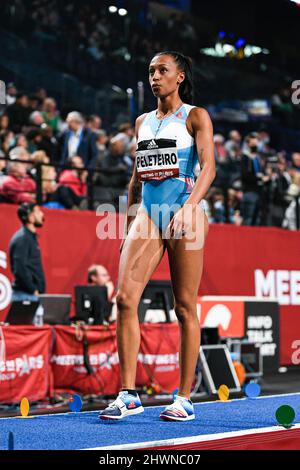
(181,224)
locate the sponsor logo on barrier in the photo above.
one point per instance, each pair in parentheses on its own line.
(228,316)
(102,360)
(260,330)
(281,284)
(20,366)
(107,360)
(5,286)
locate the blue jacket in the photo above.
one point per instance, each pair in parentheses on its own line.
(87,148)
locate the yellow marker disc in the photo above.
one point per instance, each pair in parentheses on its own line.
(24,407)
(223,393)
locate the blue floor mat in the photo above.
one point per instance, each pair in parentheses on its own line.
(85,430)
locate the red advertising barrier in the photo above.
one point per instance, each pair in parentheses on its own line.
(35,361)
(25,369)
(242,261)
(85,360)
(158,360)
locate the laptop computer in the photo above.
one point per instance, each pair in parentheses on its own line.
(56,308)
(22,312)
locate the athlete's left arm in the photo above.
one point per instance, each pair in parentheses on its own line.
(200,127)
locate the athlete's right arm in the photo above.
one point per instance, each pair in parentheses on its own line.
(135,186)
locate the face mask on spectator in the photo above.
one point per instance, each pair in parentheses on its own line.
(253,148)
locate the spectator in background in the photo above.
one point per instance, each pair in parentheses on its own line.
(11,93)
(253,180)
(36,119)
(291,216)
(94,122)
(20,153)
(102,155)
(8,140)
(4,124)
(51,115)
(79,140)
(296,161)
(233,143)
(34,103)
(278,186)
(220,151)
(21,141)
(99,276)
(128,132)
(19,112)
(17,187)
(2,169)
(115,163)
(72,184)
(25,256)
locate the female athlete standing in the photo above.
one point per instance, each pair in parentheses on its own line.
(171,140)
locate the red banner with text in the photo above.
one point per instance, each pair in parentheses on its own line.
(242,261)
(25,369)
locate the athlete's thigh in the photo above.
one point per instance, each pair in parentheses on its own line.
(142,251)
(186,260)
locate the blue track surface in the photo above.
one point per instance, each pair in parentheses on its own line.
(85,430)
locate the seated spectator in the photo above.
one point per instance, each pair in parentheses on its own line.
(51,115)
(73,183)
(50,189)
(34,103)
(216,207)
(4,124)
(79,140)
(99,276)
(21,141)
(36,119)
(17,186)
(8,141)
(20,153)
(43,139)
(118,173)
(2,168)
(39,156)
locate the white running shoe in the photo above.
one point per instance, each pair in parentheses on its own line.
(181,410)
(125,405)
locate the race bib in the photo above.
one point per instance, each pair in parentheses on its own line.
(157,159)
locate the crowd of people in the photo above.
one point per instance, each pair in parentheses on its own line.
(255,184)
(67,150)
